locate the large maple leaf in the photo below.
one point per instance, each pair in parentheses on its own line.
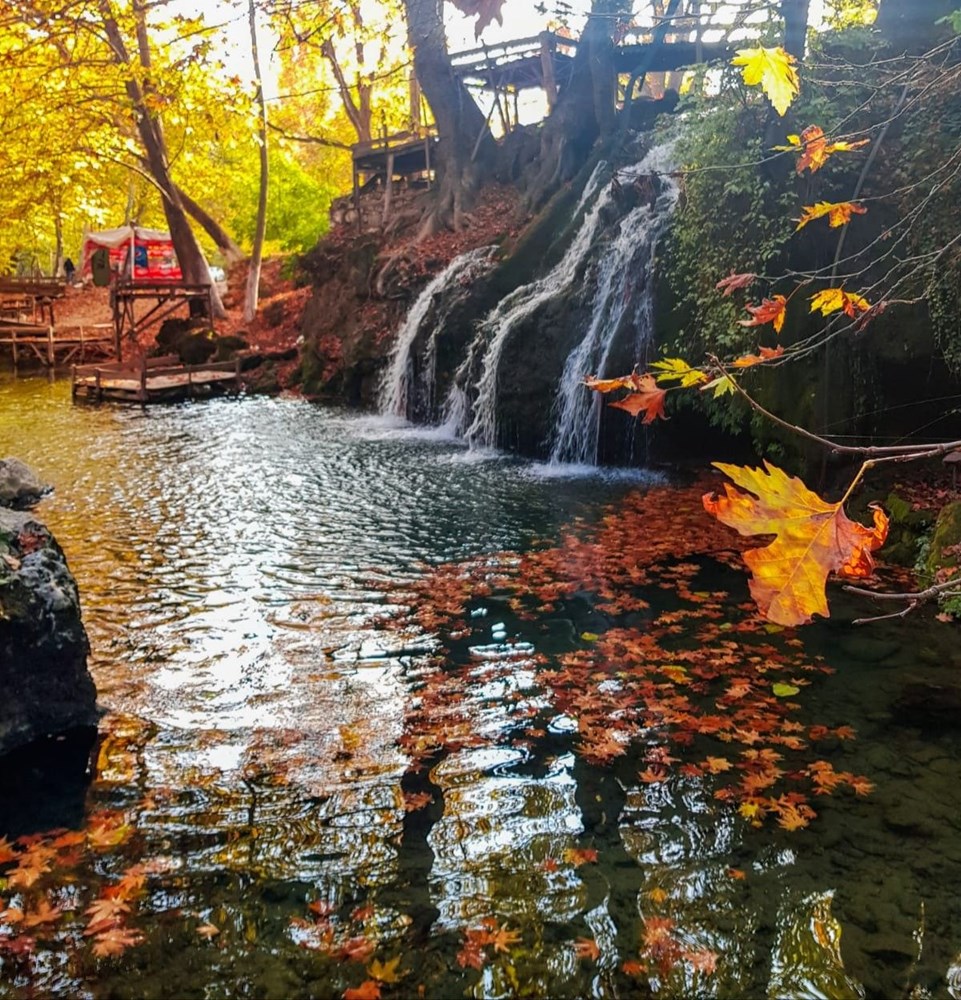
(774,70)
(813,539)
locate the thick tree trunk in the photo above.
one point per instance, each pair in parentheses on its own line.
(585,109)
(795,14)
(257,251)
(193,266)
(222,239)
(466,146)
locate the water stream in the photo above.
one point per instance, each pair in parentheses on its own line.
(240,562)
(624,293)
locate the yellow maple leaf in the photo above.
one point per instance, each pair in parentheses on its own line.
(724,385)
(838,212)
(831,300)
(678,370)
(385,972)
(813,538)
(774,70)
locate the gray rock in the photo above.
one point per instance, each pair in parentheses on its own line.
(20,486)
(43,645)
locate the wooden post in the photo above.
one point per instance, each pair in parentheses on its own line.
(237,374)
(389,186)
(99,388)
(357,198)
(143,381)
(13,342)
(51,357)
(547,69)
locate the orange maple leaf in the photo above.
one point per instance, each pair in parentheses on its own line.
(42,913)
(472,955)
(649,401)
(369,989)
(769,311)
(764,354)
(815,149)
(579,855)
(115,941)
(105,913)
(838,212)
(814,538)
(502,939)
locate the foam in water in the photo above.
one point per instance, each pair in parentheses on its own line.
(393,395)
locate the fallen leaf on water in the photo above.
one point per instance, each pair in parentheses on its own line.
(208,931)
(587,948)
(385,972)
(115,941)
(369,989)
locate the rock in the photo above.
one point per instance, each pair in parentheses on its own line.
(20,486)
(945,542)
(866,649)
(928,706)
(43,646)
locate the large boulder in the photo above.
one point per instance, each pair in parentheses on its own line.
(20,486)
(43,646)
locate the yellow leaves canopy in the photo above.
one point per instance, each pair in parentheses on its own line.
(813,539)
(774,70)
(838,212)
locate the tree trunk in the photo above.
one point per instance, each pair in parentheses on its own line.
(257,251)
(466,147)
(585,109)
(222,239)
(193,266)
(795,14)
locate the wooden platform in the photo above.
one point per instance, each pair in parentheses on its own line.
(51,346)
(156,380)
(161,299)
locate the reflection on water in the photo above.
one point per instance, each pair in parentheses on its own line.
(279,763)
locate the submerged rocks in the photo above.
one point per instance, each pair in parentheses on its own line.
(20,486)
(43,646)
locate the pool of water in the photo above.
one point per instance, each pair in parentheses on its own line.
(251,573)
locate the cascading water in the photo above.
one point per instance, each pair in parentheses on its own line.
(504,318)
(433,304)
(624,295)
(612,298)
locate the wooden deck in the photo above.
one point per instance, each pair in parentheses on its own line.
(51,346)
(156,380)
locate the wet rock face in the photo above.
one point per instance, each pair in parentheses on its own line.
(20,486)
(43,646)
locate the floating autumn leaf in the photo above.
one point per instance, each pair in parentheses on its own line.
(115,941)
(42,913)
(472,956)
(815,149)
(734,281)
(385,972)
(774,70)
(105,913)
(504,939)
(838,212)
(678,370)
(764,354)
(769,311)
(813,538)
(780,690)
(484,10)
(107,829)
(369,989)
(587,948)
(579,855)
(208,931)
(831,300)
(649,401)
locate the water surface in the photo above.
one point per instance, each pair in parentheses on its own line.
(240,563)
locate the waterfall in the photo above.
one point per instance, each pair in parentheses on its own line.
(624,294)
(394,393)
(521,303)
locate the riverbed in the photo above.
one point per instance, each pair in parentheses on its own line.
(249,572)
